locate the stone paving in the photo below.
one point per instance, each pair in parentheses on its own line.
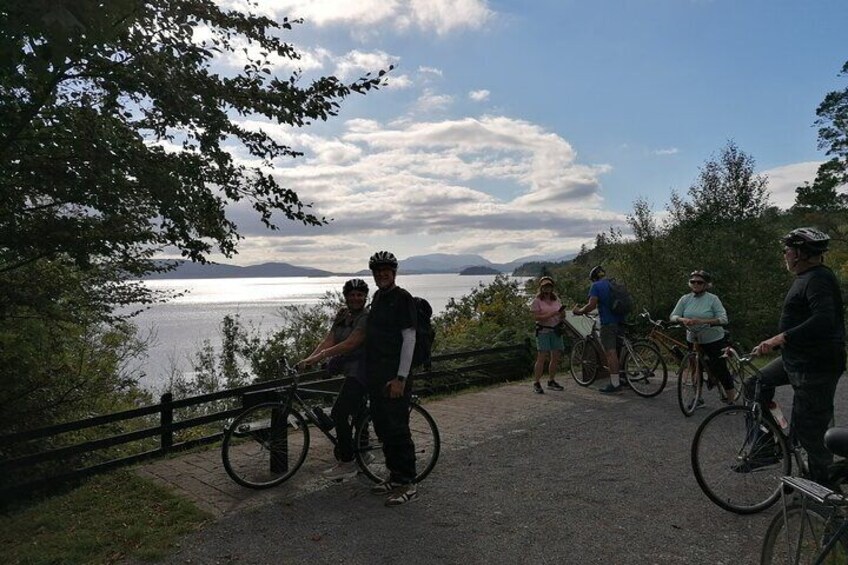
(464,420)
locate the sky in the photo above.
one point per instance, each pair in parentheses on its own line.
(516,128)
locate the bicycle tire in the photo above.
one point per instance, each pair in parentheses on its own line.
(809,528)
(645,370)
(738,459)
(689,384)
(253,457)
(585,363)
(425,437)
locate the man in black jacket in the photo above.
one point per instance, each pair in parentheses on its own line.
(812,338)
(389,346)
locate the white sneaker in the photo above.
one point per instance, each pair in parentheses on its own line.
(341,470)
(402,495)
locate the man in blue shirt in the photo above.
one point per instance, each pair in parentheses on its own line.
(600,297)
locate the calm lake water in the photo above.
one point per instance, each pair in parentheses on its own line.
(180,326)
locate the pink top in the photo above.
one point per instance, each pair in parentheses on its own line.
(548,308)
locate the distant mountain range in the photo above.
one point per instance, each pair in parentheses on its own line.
(189,270)
(434,263)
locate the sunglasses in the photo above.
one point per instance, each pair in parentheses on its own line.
(696,282)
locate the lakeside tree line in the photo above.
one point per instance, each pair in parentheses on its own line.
(114,136)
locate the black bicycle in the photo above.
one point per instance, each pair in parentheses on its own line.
(267,443)
(740,453)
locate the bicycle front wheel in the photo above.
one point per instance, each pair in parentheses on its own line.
(585,362)
(738,459)
(645,368)
(689,384)
(800,535)
(265,445)
(425,439)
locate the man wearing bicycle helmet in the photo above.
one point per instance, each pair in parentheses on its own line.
(389,346)
(812,338)
(344,347)
(600,297)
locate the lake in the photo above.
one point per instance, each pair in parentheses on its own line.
(180,326)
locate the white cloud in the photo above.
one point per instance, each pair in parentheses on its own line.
(667,151)
(439,16)
(430,70)
(429,101)
(785,179)
(357,63)
(479,95)
(495,184)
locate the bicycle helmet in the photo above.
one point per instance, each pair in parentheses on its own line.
(355,284)
(596,273)
(708,278)
(383,258)
(809,240)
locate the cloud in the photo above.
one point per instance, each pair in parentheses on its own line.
(495,184)
(357,63)
(430,70)
(479,95)
(429,102)
(365,16)
(668,151)
(785,179)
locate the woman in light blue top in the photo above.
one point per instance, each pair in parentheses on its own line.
(703,315)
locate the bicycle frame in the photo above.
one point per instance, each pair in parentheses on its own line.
(746,364)
(675,347)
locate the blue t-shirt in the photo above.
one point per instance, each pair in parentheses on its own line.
(602,291)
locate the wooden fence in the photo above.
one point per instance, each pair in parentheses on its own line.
(49,456)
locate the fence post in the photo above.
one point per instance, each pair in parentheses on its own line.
(529,356)
(166,418)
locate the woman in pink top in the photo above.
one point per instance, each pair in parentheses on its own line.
(547,312)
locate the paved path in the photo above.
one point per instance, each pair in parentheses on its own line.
(565,477)
(464,420)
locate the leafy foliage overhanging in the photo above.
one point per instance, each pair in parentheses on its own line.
(122,132)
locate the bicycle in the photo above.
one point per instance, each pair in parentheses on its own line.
(813,524)
(641,363)
(267,443)
(662,340)
(739,452)
(690,381)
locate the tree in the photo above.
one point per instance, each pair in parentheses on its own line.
(727,190)
(833,133)
(119,136)
(122,132)
(822,195)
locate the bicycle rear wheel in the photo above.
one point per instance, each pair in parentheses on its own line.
(586,360)
(800,537)
(738,459)
(425,437)
(645,369)
(264,445)
(689,384)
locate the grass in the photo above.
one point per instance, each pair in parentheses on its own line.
(108,518)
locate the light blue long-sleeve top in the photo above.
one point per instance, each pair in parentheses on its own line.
(705,306)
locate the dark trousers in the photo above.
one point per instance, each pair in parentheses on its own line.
(812,411)
(716,364)
(391,423)
(349,404)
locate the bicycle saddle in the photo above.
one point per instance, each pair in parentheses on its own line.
(836,440)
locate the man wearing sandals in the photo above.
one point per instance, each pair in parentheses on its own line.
(812,338)
(389,345)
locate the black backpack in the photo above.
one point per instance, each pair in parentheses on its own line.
(621,302)
(424,334)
